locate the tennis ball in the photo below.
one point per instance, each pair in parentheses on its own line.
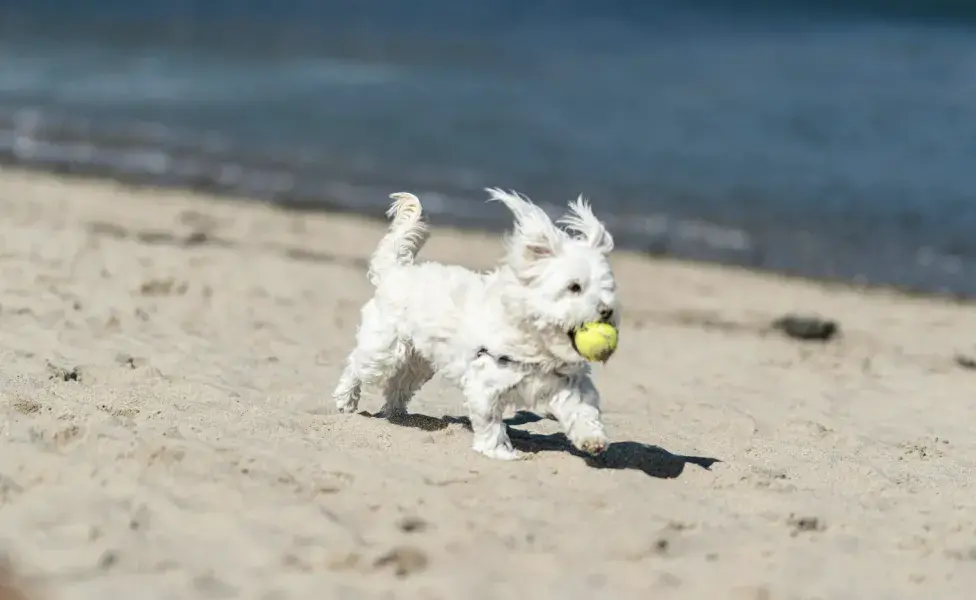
(596,341)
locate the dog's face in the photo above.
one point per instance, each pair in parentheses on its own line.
(564,276)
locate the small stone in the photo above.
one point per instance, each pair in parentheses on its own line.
(966,362)
(807,328)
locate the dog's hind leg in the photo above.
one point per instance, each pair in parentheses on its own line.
(410,375)
(373,359)
(349,389)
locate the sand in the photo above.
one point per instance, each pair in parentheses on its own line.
(166,361)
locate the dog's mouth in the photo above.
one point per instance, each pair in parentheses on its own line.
(572,340)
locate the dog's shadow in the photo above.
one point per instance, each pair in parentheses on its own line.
(653,461)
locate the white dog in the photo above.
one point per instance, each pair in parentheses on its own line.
(505,337)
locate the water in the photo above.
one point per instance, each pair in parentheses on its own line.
(829,139)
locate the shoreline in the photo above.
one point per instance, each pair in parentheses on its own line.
(324,206)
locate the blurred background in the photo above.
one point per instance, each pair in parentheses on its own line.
(827,138)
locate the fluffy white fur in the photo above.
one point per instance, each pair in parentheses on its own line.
(503,337)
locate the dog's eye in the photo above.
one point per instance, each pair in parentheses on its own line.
(575,288)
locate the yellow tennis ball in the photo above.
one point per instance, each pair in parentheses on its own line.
(596,341)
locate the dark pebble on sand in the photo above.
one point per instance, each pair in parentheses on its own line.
(966,362)
(807,328)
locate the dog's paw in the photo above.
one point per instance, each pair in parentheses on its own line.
(502,453)
(345,407)
(594,446)
(499,452)
(591,439)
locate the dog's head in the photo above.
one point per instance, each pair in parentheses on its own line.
(563,275)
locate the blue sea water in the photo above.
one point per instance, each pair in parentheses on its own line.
(829,139)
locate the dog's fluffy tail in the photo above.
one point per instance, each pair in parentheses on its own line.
(405,238)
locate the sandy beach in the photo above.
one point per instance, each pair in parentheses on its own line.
(166,361)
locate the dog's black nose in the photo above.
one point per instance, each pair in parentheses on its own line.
(605,313)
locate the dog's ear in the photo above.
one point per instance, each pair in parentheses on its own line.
(535,236)
(580,219)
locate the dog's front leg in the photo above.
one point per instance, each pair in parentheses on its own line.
(490,433)
(485,387)
(576,406)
